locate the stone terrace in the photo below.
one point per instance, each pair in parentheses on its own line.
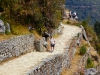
(23,64)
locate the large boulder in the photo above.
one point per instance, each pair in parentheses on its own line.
(8,27)
(2,27)
(1,23)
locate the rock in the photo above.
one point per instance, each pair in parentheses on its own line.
(90,71)
(1,57)
(2,27)
(97,73)
(1,23)
(8,27)
(39,44)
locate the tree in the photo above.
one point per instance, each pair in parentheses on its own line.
(38,13)
(97,27)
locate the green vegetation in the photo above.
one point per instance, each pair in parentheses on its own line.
(90,32)
(85,8)
(94,33)
(97,28)
(90,63)
(68,22)
(40,14)
(82,50)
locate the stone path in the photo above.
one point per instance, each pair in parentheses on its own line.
(22,64)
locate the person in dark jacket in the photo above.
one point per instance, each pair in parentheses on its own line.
(46,35)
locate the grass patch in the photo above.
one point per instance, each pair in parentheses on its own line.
(56,36)
(71,22)
(4,36)
(90,63)
(35,34)
(82,50)
(19,30)
(68,22)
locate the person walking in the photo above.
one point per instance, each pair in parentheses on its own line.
(52,43)
(46,35)
(70,15)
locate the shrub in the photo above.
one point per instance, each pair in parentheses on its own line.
(82,50)
(68,22)
(19,29)
(7,32)
(77,24)
(98,48)
(90,63)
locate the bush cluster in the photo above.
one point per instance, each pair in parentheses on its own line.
(82,50)
(36,13)
(90,63)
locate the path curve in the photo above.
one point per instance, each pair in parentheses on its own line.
(21,65)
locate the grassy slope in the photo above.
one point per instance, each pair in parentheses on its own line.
(18,30)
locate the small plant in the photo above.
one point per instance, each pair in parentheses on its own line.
(78,35)
(98,48)
(87,45)
(77,24)
(7,32)
(19,29)
(82,50)
(90,63)
(68,22)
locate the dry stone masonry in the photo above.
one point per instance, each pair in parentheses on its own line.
(39,45)
(56,63)
(58,30)
(16,46)
(53,64)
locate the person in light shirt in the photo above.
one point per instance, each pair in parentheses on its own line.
(52,43)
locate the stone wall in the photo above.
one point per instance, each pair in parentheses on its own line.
(54,65)
(83,62)
(84,34)
(16,46)
(98,67)
(58,30)
(50,66)
(39,44)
